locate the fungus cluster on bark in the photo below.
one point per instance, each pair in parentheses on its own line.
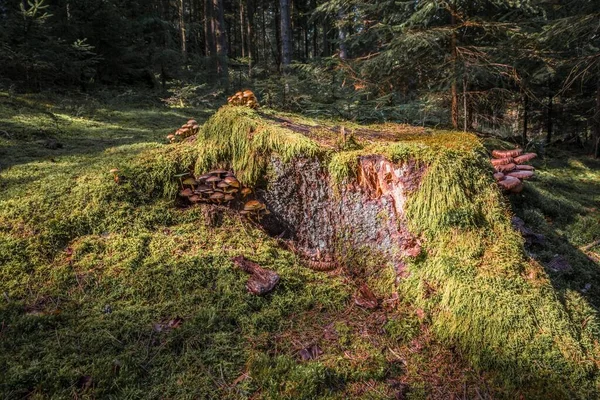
(188,129)
(245,98)
(220,186)
(511,169)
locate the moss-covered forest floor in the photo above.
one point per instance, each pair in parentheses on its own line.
(107,291)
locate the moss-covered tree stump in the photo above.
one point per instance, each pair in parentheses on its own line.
(426,207)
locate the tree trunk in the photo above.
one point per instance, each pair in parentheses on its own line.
(243,27)
(454,61)
(325,33)
(342,34)
(597,122)
(465,104)
(209,33)
(221,40)
(549,120)
(182,29)
(286,33)
(525,119)
(250,36)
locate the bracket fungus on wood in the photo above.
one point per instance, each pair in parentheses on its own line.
(511,170)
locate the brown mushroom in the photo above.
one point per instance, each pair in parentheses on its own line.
(223,185)
(525,157)
(498,176)
(232,181)
(186,192)
(115,172)
(506,153)
(218,172)
(501,161)
(505,168)
(509,182)
(246,191)
(213,180)
(171,137)
(204,177)
(518,188)
(195,198)
(192,122)
(525,167)
(521,174)
(253,205)
(228,197)
(217,196)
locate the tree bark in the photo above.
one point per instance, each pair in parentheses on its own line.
(209,34)
(453,57)
(221,40)
(250,36)
(286,33)
(597,123)
(342,34)
(549,116)
(182,29)
(525,119)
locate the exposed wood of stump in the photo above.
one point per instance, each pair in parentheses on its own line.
(261,281)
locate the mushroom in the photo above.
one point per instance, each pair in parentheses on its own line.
(521,174)
(518,188)
(525,167)
(253,205)
(505,168)
(223,185)
(189,181)
(502,161)
(213,180)
(506,153)
(186,192)
(192,122)
(509,183)
(203,189)
(115,172)
(171,137)
(228,197)
(218,172)
(217,196)
(525,157)
(232,181)
(246,191)
(204,177)
(195,198)
(498,176)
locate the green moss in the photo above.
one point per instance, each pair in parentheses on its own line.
(237,138)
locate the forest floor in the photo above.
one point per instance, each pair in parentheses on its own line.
(104,295)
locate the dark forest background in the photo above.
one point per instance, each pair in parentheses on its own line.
(528,70)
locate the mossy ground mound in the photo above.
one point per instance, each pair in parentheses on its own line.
(91,272)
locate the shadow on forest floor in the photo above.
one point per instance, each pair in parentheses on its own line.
(35,129)
(562,204)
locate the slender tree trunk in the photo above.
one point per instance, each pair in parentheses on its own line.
(264,31)
(341,15)
(597,122)
(465,104)
(325,38)
(454,56)
(525,119)
(243,27)
(250,35)
(182,29)
(549,120)
(221,39)
(286,33)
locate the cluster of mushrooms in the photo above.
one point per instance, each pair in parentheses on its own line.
(220,186)
(188,129)
(511,169)
(245,98)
